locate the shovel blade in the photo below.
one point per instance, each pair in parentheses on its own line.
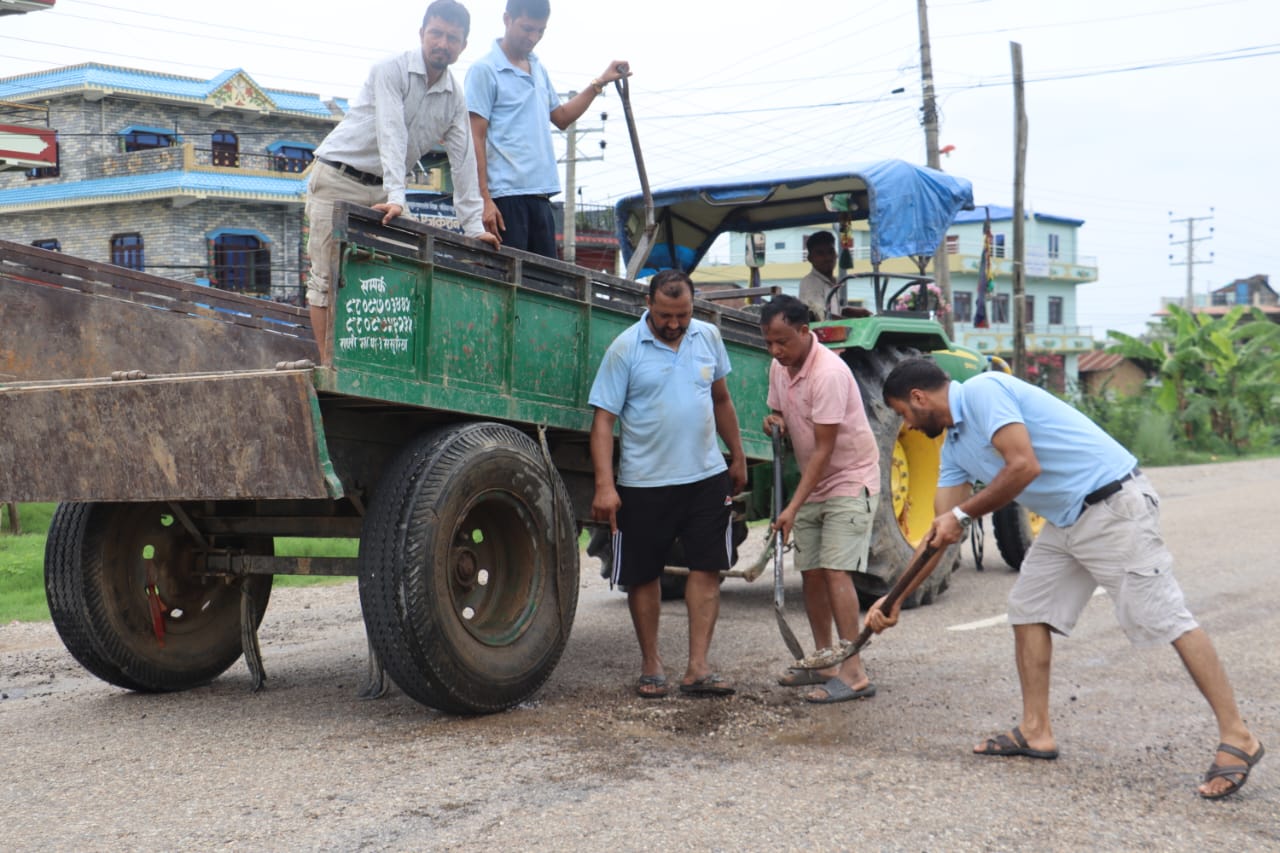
(788,637)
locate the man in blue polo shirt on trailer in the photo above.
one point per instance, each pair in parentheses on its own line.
(511,99)
(664,379)
(1103,530)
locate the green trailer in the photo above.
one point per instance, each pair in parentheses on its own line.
(450,436)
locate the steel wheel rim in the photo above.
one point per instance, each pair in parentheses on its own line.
(493,567)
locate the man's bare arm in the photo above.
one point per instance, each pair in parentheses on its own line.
(605,503)
(571,110)
(727,428)
(491,218)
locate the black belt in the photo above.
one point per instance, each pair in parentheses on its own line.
(1103,492)
(362,177)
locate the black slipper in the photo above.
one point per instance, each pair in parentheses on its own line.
(708,685)
(1005,747)
(1225,771)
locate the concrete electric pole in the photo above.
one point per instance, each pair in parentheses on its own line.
(571,160)
(933,157)
(1190,242)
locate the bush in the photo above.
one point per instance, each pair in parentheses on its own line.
(1149,433)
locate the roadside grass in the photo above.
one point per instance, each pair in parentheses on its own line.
(22,565)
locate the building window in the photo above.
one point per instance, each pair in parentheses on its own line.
(226,149)
(291,158)
(998,246)
(953,244)
(241,262)
(1000,308)
(1053,246)
(1055,310)
(50,245)
(963,301)
(780,244)
(126,251)
(1030,302)
(145,138)
(48,171)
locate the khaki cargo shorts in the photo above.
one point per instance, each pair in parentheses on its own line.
(1115,544)
(834,533)
(325,186)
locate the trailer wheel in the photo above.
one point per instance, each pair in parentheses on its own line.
(1016,527)
(100,559)
(909,465)
(469,568)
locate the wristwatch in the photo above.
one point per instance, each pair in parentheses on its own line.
(962,517)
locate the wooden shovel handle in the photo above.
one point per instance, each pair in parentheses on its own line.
(897,590)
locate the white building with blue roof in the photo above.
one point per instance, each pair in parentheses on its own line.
(1054,270)
(197,180)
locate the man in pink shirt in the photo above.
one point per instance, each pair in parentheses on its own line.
(814,398)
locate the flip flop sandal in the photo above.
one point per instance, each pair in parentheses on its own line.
(656,686)
(1226,771)
(711,684)
(1005,747)
(838,691)
(796,677)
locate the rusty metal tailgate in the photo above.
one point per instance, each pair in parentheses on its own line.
(244,435)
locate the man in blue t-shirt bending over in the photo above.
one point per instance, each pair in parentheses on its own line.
(1103,530)
(664,379)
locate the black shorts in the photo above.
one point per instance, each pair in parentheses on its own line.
(530,223)
(651,519)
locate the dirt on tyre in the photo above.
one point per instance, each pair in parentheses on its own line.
(469,568)
(128,603)
(909,465)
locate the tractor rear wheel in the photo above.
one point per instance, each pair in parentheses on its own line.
(909,465)
(1016,527)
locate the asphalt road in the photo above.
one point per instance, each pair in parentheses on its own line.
(305,765)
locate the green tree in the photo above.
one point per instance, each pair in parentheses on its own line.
(1219,376)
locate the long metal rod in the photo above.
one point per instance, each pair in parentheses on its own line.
(788,636)
(645,244)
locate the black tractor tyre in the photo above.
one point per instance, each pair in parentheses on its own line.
(469,568)
(1014,534)
(891,549)
(100,559)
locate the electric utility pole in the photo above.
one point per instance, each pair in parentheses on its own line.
(1191,261)
(571,159)
(1019,222)
(929,118)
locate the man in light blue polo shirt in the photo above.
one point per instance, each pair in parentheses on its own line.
(1103,530)
(664,379)
(510,98)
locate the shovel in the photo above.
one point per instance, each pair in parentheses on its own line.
(824,658)
(788,636)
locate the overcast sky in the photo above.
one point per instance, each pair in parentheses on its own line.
(1138,109)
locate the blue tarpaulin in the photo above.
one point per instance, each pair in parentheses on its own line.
(908,208)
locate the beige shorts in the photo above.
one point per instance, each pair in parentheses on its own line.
(1116,545)
(834,533)
(326,186)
